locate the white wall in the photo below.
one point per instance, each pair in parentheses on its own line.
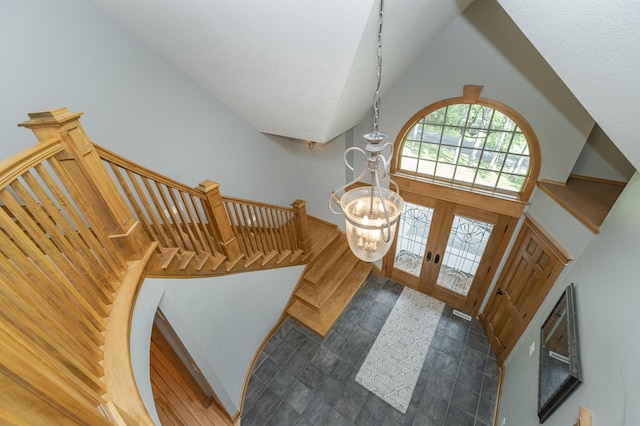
(221,321)
(601,158)
(606,280)
(67,53)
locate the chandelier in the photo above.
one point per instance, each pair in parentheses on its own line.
(371,212)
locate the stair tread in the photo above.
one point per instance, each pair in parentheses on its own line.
(184,259)
(269,257)
(326,261)
(200,260)
(308,295)
(166,256)
(321,234)
(322,321)
(216,260)
(335,277)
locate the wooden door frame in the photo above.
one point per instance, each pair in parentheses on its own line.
(558,254)
(431,194)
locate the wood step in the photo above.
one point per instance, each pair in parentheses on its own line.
(306,292)
(166,256)
(323,263)
(296,255)
(216,260)
(269,257)
(253,259)
(335,277)
(283,255)
(322,321)
(345,293)
(200,260)
(229,265)
(184,259)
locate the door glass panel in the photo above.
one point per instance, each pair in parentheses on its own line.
(415,222)
(467,242)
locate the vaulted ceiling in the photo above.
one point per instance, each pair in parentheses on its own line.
(306,69)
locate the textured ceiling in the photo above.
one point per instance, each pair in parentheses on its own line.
(594,47)
(296,68)
(305,69)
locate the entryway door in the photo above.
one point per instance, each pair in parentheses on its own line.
(534,264)
(446,250)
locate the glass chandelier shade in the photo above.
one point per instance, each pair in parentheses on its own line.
(371,212)
(371,215)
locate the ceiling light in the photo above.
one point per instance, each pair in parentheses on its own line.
(371,212)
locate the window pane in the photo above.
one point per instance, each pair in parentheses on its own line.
(447,154)
(411,149)
(445,171)
(487,178)
(432,133)
(494,141)
(465,174)
(415,133)
(469,157)
(436,117)
(509,182)
(409,164)
(429,151)
(456,115)
(465,247)
(427,167)
(519,144)
(471,137)
(451,136)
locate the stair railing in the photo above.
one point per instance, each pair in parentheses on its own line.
(267,228)
(66,248)
(74,247)
(199,222)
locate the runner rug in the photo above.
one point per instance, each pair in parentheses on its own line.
(393,364)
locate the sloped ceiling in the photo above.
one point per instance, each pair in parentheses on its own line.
(306,69)
(303,69)
(594,47)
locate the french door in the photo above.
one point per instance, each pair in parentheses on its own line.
(446,250)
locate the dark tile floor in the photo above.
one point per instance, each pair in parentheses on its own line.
(301,379)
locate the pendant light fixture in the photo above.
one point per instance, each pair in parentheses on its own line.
(371,212)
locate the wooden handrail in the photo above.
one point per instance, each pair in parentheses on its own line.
(58,276)
(78,226)
(111,157)
(190,220)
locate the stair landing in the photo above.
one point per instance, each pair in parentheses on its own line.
(330,280)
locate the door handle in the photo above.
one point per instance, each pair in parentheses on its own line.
(437,259)
(499,292)
(428,256)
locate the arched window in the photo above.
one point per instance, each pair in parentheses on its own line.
(471,142)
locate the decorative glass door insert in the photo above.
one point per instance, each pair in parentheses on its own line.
(413,233)
(445,249)
(467,241)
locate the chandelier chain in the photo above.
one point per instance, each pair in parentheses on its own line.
(376,95)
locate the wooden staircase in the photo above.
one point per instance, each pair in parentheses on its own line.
(330,280)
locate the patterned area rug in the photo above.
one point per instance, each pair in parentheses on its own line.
(393,364)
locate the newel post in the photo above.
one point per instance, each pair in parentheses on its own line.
(219,220)
(300,207)
(95,187)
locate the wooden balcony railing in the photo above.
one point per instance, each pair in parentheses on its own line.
(60,272)
(79,227)
(189,224)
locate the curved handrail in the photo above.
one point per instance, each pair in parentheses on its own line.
(118,372)
(60,284)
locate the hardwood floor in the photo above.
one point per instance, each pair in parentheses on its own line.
(179,400)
